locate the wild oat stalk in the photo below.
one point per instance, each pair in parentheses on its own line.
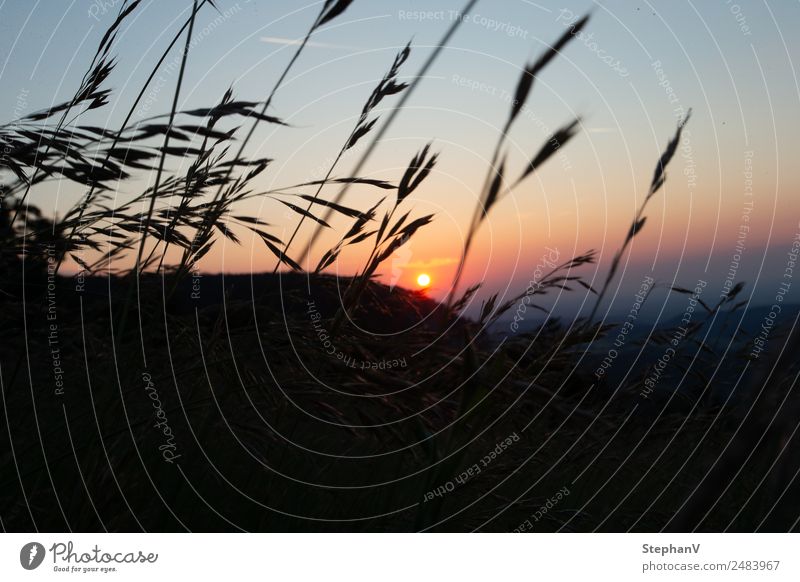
(87,155)
(493,183)
(89,94)
(418,78)
(221,201)
(330,10)
(386,87)
(389,237)
(164,149)
(557,279)
(81,207)
(659,177)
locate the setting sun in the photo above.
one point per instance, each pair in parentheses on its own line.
(424,280)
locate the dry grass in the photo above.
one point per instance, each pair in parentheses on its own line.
(275,431)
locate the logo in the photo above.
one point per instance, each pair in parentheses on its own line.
(31,555)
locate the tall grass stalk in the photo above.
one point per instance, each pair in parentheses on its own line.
(170,123)
(89,199)
(154,195)
(418,78)
(100,53)
(330,9)
(659,177)
(493,181)
(387,86)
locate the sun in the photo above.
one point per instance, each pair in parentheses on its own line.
(424,280)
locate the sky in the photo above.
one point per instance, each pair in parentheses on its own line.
(731,192)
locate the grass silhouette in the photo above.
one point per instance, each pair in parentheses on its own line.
(144,395)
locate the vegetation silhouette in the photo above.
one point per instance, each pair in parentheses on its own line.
(142,394)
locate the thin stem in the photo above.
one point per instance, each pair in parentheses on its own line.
(615,263)
(59,125)
(476,221)
(162,159)
(318,192)
(392,116)
(204,227)
(91,193)
(657,183)
(174,221)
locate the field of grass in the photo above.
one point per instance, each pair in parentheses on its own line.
(141,395)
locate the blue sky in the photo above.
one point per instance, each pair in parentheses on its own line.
(730,62)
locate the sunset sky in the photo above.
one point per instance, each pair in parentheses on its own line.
(637,69)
